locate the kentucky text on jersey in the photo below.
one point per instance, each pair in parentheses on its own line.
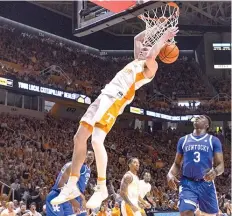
(198,152)
(197,147)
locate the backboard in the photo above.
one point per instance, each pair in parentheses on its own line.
(96,15)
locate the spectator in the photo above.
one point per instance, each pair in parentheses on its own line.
(102,211)
(9,211)
(116,210)
(23,210)
(32,211)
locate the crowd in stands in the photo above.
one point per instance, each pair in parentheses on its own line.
(33,151)
(41,60)
(222,85)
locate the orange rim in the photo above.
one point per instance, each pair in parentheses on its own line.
(170,4)
(173,4)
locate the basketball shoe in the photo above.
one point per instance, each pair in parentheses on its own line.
(100,194)
(67,193)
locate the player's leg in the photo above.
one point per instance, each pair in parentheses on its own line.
(101,158)
(70,190)
(68,209)
(107,113)
(208,202)
(79,151)
(53,210)
(188,199)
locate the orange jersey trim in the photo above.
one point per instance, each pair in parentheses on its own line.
(105,123)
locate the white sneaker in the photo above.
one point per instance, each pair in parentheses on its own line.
(67,193)
(100,194)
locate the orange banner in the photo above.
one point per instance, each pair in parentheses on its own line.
(115,6)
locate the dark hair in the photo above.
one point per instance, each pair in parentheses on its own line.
(131,160)
(33,204)
(145,171)
(209,121)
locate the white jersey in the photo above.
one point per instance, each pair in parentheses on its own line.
(144,188)
(133,189)
(127,81)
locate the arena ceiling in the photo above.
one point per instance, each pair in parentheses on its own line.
(200,13)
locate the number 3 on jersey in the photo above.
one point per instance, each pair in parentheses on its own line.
(197,156)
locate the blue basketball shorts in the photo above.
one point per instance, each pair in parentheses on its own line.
(193,194)
(64,209)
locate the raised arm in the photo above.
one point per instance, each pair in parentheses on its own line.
(155,49)
(127,179)
(138,44)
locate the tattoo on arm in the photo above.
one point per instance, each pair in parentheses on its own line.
(127,179)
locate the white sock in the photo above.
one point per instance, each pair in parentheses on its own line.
(72,180)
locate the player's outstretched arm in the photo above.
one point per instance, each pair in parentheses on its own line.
(155,49)
(138,43)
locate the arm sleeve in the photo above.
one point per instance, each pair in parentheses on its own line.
(217,145)
(180,144)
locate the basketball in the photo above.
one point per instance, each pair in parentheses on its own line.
(169,53)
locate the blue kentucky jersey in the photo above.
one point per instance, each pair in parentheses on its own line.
(198,152)
(83,180)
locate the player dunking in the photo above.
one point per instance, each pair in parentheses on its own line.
(130,191)
(198,151)
(102,113)
(75,205)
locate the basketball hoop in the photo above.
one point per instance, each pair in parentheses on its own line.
(158,21)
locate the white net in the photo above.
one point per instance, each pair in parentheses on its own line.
(158,21)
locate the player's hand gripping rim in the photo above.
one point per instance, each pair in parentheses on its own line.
(172,181)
